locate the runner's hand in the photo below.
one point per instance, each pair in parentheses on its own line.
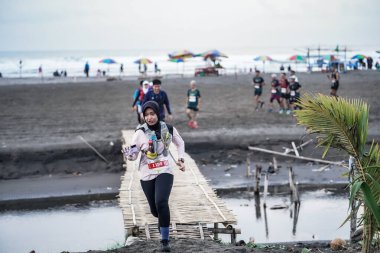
(181,165)
(170,118)
(129,152)
(134,108)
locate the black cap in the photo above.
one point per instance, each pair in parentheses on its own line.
(154,106)
(156,82)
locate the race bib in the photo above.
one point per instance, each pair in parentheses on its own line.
(283,90)
(192,99)
(257,86)
(158,166)
(292,93)
(274,91)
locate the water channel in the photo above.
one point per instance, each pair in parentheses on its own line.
(99,225)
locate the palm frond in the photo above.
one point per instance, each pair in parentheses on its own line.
(339,122)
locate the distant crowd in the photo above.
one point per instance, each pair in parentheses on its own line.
(286,91)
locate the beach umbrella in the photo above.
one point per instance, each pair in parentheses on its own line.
(108,61)
(263,58)
(143,61)
(178,60)
(297,57)
(358,57)
(181,54)
(213,54)
(330,57)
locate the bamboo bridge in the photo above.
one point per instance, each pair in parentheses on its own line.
(196,211)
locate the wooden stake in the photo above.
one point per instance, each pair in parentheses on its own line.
(265,189)
(248,174)
(275,166)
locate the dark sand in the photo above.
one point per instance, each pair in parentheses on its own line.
(40,125)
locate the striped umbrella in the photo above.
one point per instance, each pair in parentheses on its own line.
(297,57)
(263,58)
(358,57)
(143,61)
(181,54)
(213,54)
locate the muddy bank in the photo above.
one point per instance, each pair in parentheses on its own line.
(191,245)
(75,158)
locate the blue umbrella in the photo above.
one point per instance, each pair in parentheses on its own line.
(108,61)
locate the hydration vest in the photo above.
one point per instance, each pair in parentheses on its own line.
(166,135)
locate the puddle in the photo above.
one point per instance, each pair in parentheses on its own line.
(319,217)
(69,228)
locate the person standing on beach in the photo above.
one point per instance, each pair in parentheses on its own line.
(258,83)
(121,69)
(152,139)
(160,96)
(40,72)
(193,104)
(87,69)
(275,93)
(334,78)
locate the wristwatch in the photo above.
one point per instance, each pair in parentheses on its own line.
(181,160)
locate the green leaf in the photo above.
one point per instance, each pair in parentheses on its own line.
(354,190)
(370,202)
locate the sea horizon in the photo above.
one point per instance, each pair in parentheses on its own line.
(72,61)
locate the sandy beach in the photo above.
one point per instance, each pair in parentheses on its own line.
(42,124)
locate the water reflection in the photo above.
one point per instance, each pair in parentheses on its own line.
(69,228)
(318,218)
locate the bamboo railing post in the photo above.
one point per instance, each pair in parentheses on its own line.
(216,233)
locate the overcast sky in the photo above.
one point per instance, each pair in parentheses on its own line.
(191,24)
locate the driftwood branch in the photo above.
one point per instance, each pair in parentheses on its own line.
(94,149)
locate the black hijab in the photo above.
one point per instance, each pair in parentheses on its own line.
(155,107)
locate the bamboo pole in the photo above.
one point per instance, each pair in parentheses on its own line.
(288,150)
(94,149)
(293,156)
(295,149)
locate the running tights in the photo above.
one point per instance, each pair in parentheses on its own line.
(157,192)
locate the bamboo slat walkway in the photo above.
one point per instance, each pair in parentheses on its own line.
(193,203)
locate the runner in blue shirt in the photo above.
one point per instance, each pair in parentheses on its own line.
(158,95)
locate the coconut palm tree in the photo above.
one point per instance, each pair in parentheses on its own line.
(343,124)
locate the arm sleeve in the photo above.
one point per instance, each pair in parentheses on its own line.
(166,102)
(135,101)
(179,143)
(137,140)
